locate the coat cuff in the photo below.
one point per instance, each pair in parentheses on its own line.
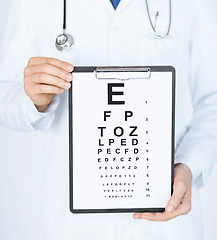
(191,163)
(38,120)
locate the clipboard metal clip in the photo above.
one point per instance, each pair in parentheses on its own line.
(122,73)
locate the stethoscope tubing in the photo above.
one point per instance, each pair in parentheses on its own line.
(151,22)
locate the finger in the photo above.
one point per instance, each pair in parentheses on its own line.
(183,208)
(165,216)
(157,216)
(180,190)
(51,80)
(52,61)
(49,69)
(153,216)
(47,89)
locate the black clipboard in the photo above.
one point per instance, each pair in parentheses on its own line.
(114,74)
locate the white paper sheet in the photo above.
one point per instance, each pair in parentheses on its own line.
(133,169)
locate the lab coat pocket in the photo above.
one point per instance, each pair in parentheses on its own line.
(159,51)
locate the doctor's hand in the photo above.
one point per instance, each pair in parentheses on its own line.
(44,77)
(180,202)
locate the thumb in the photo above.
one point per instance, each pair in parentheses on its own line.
(179,191)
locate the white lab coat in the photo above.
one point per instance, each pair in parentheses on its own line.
(105,37)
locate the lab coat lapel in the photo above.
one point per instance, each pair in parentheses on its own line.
(107,4)
(122,5)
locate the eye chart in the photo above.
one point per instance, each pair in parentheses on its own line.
(121,139)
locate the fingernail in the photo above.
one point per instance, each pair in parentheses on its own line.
(136,216)
(69,67)
(67,85)
(169,208)
(69,76)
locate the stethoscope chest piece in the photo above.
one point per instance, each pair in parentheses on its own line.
(64,42)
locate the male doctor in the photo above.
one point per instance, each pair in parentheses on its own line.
(33,97)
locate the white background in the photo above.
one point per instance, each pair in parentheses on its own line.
(21,220)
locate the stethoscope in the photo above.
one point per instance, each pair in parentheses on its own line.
(65,41)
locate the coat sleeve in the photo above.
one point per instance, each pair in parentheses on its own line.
(198,148)
(19,44)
